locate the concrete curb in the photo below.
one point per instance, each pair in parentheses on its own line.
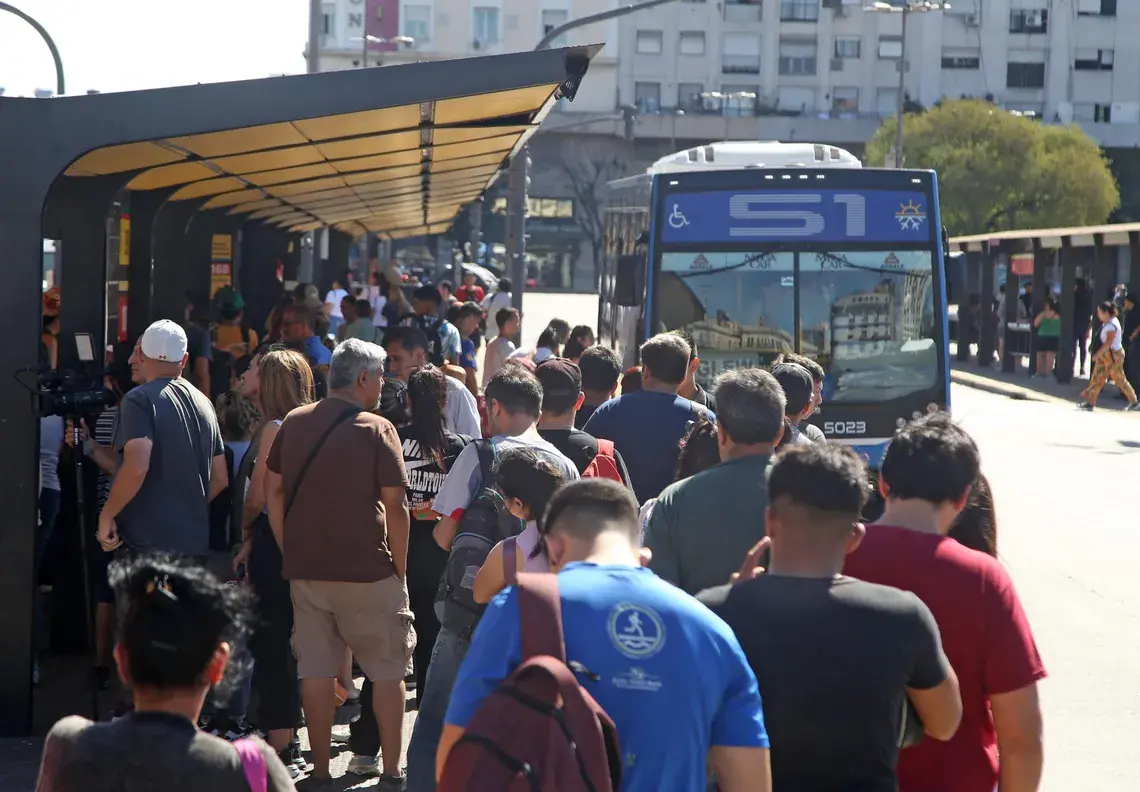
(1002,388)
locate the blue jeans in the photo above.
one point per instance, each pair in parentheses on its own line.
(446,657)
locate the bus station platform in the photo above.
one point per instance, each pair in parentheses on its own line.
(153,195)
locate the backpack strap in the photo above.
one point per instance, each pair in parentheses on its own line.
(344,416)
(487,456)
(511,560)
(540,613)
(605,448)
(253,764)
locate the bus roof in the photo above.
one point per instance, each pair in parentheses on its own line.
(740,155)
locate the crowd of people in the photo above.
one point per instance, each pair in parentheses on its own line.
(720,615)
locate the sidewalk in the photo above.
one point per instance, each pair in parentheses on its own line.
(1019,385)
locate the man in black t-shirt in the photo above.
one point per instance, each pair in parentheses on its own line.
(836,658)
(562,395)
(601,371)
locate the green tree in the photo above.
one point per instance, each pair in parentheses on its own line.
(1001,172)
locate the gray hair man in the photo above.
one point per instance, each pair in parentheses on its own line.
(702,528)
(345,556)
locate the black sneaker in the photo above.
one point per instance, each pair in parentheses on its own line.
(296,757)
(1085,406)
(1133,407)
(392,783)
(287,760)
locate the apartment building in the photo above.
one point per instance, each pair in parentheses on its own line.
(445,29)
(830,68)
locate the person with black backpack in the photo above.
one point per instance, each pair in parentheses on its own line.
(473,519)
(559,664)
(444,342)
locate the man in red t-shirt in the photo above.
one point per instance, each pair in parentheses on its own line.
(469,291)
(925,478)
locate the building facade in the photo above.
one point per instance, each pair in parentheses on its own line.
(829,69)
(446,29)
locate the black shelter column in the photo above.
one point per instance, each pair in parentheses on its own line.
(1041,290)
(986,336)
(168,287)
(1069,337)
(1008,327)
(21,238)
(77,214)
(140,294)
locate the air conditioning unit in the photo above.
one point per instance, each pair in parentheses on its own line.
(972,20)
(837,64)
(1033,20)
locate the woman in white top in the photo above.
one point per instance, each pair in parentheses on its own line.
(332,305)
(1108,361)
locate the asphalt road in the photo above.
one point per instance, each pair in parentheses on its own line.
(1068,531)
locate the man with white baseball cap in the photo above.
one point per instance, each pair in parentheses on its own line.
(167,425)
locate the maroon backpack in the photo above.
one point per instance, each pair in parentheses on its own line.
(539,730)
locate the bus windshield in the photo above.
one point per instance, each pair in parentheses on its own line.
(866,316)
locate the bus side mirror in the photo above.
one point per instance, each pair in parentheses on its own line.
(629,280)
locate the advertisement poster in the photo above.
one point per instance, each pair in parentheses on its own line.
(221,262)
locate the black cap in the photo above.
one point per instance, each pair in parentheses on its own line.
(428,293)
(559,376)
(797,385)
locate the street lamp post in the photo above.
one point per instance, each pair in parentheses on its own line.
(906,8)
(517,175)
(59,83)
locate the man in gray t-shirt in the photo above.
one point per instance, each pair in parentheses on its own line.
(172,457)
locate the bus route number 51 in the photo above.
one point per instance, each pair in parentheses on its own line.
(786,220)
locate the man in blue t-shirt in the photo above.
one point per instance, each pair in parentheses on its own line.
(668,672)
(646,427)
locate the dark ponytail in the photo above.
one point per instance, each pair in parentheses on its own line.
(1109,307)
(976,525)
(172,619)
(427,391)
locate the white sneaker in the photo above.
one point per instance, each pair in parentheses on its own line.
(368,766)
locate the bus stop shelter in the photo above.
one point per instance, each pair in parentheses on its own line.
(1102,255)
(397,151)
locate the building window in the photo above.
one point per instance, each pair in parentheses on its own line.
(1102,114)
(1025,75)
(416,23)
(1093,60)
(740,53)
(797,56)
(689,96)
(553,18)
(961,60)
(799,10)
(693,42)
(848,47)
(1106,8)
(890,47)
(486,25)
(649,42)
(1028,20)
(328,23)
(845,100)
(647,96)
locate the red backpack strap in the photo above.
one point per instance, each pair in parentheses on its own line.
(510,560)
(605,448)
(540,614)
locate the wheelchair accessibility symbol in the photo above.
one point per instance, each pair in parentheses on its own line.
(677,219)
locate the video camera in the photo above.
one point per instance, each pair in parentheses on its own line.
(72,393)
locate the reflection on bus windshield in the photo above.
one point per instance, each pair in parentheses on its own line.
(867,316)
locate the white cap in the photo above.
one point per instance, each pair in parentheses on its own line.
(164,340)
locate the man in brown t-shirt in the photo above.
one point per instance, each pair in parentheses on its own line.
(337,508)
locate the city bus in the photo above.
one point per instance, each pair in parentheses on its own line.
(757,249)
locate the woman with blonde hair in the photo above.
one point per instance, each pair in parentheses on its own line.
(284,383)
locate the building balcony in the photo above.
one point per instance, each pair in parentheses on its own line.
(740,64)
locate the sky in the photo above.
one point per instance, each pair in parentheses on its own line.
(126,45)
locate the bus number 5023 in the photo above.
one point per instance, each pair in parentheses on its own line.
(845,428)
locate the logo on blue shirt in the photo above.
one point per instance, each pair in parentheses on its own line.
(637,632)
